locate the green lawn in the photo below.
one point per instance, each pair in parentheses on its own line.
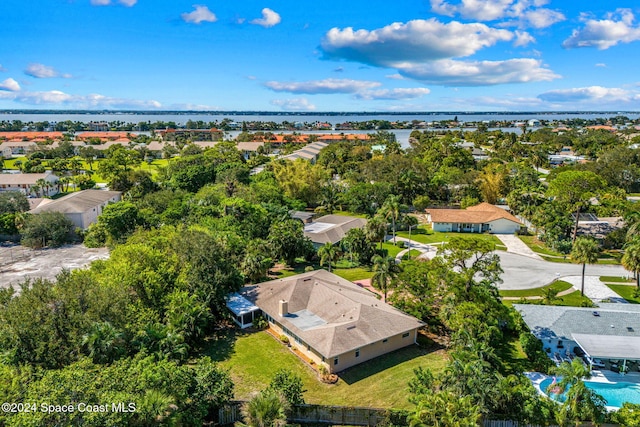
(424,234)
(615,279)
(573,299)
(626,292)
(538,247)
(558,285)
(253,359)
(606,257)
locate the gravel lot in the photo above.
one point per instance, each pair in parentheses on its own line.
(18,263)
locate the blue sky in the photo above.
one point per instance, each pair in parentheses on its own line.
(334,55)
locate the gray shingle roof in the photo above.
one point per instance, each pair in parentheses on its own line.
(546,321)
(331,314)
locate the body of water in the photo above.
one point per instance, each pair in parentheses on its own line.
(614,393)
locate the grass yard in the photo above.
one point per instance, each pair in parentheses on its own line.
(625,291)
(253,359)
(558,285)
(573,299)
(606,257)
(539,247)
(424,234)
(615,279)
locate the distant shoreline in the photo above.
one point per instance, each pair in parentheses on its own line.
(308,113)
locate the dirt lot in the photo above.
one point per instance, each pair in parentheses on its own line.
(18,263)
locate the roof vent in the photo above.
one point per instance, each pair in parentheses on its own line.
(596,314)
(351,327)
(307,279)
(629,329)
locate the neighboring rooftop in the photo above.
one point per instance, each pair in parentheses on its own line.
(331,314)
(546,321)
(77,202)
(479,214)
(331,228)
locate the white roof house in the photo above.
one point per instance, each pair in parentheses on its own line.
(25,182)
(331,228)
(82,207)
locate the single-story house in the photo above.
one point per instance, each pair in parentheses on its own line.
(482,218)
(331,228)
(309,152)
(82,207)
(610,331)
(330,320)
(25,183)
(249,149)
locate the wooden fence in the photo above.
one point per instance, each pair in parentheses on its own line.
(353,416)
(322,414)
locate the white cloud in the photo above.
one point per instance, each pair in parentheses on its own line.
(417,40)
(395,76)
(424,50)
(269,18)
(541,18)
(523,38)
(601,65)
(591,93)
(92,101)
(394,94)
(42,71)
(527,13)
(10,85)
(602,34)
(478,73)
(198,15)
(294,104)
(322,86)
(127,3)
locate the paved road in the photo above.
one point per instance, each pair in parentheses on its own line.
(521,272)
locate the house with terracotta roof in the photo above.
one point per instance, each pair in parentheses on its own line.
(482,218)
(330,320)
(104,136)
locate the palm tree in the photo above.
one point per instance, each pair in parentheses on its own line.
(328,253)
(103,342)
(44,185)
(585,250)
(631,258)
(581,402)
(376,229)
(391,209)
(385,270)
(267,409)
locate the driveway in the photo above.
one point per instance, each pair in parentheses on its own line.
(521,272)
(517,246)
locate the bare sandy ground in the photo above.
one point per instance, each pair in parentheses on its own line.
(18,263)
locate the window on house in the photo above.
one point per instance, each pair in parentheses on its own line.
(358,353)
(405,335)
(335,361)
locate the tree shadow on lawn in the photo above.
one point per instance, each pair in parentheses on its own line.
(220,345)
(387,361)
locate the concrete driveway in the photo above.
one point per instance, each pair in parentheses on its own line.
(521,272)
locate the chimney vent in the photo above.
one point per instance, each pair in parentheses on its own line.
(283,308)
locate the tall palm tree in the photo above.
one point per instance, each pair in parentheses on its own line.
(328,253)
(376,229)
(631,258)
(585,250)
(44,185)
(391,209)
(385,270)
(267,409)
(581,403)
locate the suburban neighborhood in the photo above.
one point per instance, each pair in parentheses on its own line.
(343,265)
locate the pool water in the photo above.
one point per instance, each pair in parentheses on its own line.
(614,393)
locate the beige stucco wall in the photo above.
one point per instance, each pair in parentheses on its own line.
(349,359)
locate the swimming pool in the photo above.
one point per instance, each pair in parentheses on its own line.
(614,393)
